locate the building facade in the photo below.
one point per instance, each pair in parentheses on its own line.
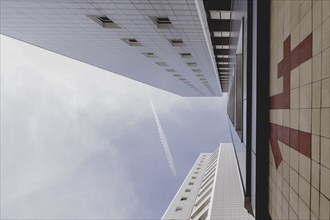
(211,190)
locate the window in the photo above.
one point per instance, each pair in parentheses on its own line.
(191,183)
(176,42)
(132,41)
(187,190)
(177,75)
(193,177)
(178,208)
(162,22)
(183,198)
(223,15)
(103,21)
(170,70)
(198,168)
(161,63)
(221,33)
(186,55)
(196,70)
(192,64)
(195,172)
(149,55)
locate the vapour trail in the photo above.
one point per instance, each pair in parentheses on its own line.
(163,139)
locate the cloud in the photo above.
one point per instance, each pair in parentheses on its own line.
(163,139)
(79,142)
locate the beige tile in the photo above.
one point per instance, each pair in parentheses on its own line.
(294,200)
(286,189)
(292,214)
(325,182)
(279,208)
(317,40)
(279,179)
(325,9)
(280,51)
(287,29)
(313,216)
(294,160)
(305,96)
(304,7)
(286,117)
(304,211)
(325,92)
(295,37)
(317,14)
(317,67)
(294,179)
(325,63)
(305,73)
(272,116)
(294,118)
(325,34)
(325,122)
(304,190)
(316,116)
(286,171)
(316,101)
(285,208)
(294,13)
(305,25)
(279,85)
(305,167)
(279,119)
(316,148)
(315,201)
(294,78)
(324,207)
(316,175)
(294,98)
(325,152)
(305,120)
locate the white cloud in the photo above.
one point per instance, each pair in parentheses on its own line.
(163,139)
(60,120)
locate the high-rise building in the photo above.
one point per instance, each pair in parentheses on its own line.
(211,190)
(271,57)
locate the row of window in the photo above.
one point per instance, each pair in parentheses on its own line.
(106,22)
(161,22)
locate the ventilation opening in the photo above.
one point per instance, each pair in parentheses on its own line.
(196,70)
(149,55)
(192,64)
(132,42)
(103,21)
(161,63)
(170,70)
(176,42)
(163,22)
(186,55)
(178,208)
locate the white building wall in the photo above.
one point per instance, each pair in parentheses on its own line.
(66,27)
(221,199)
(197,171)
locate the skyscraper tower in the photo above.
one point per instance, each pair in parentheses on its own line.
(211,190)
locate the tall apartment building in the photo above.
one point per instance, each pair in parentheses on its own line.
(271,56)
(211,190)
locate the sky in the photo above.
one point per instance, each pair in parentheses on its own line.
(79,142)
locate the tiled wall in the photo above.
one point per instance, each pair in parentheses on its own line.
(299,143)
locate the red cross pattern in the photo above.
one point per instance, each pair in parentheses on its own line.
(297,140)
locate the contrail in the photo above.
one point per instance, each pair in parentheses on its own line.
(163,139)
